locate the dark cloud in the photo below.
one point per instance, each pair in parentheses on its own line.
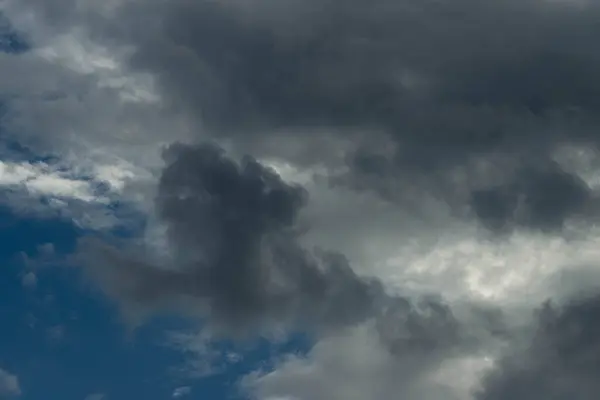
(237,260)
(540,199)
(446,83)
(440,77)
(560,362)
(418,327)
(339,62)
(231,229)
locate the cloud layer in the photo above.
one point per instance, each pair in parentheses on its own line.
(407,180)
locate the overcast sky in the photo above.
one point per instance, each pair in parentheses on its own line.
(303,199)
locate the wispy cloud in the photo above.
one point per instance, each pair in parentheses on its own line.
(182,391)
(9,384)
(96,396)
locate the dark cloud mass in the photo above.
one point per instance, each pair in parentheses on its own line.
(445,84)
(448,83)
(358,62)
(231,230)
(562,361)
(536,198)
(237,260)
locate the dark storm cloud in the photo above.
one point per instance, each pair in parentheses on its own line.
(237,260)
(341,62)
(231,229)
(426,326)
(425,71)
(446,82)
(536,198)
(442,83)
(561,361)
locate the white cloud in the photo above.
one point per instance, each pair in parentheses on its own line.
(73,189)
(42,180)
(518,269)
(13,174)
(9,384)
(61,187)
(71,97)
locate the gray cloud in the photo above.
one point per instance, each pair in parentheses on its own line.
(231,228)
(446,84)
(398,356)
(340,63)
(537,198)
(237,259)
(462,102)
(560,361)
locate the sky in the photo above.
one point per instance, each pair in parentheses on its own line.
(299,199)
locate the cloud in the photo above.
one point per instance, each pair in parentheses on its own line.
(554,358)
(88,196)
(182,391)
(442,88)
(9,385)
(541,199)
(446,147)
(232,229)
(238,264)
(29,280)
(559,361)
(452,113)
(237,260)
(357,365)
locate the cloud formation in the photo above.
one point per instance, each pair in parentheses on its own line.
(238,261)
(231,228)
(443,88)
(415,126)
(355,365)
(560,361)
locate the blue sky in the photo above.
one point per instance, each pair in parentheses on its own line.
(63,339)
(61,336)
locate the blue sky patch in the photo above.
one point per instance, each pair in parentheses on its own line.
(11,41)
(61,336)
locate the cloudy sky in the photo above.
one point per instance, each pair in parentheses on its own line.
(299,199)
